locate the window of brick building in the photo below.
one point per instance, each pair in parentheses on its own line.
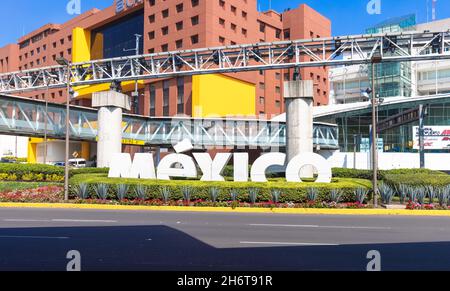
(165,13)
(194,20)
(179,25)
(194,39)
(180,7)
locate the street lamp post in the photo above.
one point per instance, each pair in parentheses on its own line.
(376,59)
(65,62)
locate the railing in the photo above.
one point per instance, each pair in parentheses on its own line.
(34,118)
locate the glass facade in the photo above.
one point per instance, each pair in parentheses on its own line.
(399,139)
(118,39)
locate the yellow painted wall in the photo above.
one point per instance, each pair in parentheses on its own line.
(219,95)
(81,45)
(85,151)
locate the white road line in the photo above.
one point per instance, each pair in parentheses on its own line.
(322,226)
(34,237)
(286,243)
(26,220)
(82,220)
(60,220)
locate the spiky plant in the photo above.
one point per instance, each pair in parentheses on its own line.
(443,196)
(101,190)
(421,195)
(81,190)
(234,195)
(165,194)
(386,193)
(412,193)
(275,193)
(402,192)
(312,194)
(336,195)
(141,192)
(432,192)
(361,194)
(187,193)
(214,194)
(122,191)
(253,194)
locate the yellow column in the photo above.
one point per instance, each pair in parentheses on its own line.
(85,151)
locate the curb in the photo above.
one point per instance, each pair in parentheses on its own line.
(311,211)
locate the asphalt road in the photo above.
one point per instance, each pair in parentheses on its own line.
(39,239)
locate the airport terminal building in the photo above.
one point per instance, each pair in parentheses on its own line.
(170,26)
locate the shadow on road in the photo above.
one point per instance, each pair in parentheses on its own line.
(165,248)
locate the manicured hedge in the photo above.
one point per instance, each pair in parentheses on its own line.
(382,174)
(290,192)
(40,172)
(436,179)
(31,172)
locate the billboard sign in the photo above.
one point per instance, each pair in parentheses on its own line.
(435,137)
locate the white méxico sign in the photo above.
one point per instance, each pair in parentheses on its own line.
(183,166)
(435,137)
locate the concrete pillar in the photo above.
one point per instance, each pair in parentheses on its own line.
(299,98)
(111,105)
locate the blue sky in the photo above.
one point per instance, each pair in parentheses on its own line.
(348,17)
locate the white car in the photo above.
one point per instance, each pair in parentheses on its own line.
(77,163)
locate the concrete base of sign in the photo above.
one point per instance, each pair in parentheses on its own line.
(111,105)
(299,98)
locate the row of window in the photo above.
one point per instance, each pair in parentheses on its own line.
(233,9)
(31,53)
(166,97)
(179,26)
(44,60)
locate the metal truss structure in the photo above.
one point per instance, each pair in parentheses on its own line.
(28,117)
(333,51)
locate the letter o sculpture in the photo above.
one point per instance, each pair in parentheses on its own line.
(312,159)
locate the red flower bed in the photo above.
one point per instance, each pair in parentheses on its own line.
(44,194)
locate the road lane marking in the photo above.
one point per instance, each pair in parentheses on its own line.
(60,220)
(323,226)
(26,220)
(286,243)
(83,220)
(34,237)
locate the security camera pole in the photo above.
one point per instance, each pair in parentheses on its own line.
(64,62)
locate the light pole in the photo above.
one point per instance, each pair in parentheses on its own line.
(376,59)
(64,62)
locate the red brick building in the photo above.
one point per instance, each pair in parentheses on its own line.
(172,25)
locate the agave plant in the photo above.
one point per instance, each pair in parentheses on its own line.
(141,192)
(81,190)
(214,194)
(412,193)
(421,195)
(443,196)
(187,193)
(311,194)
(253,194)
(386,193)
(101,190)
(432,192)
(361,194)
(276,193)
(336,195)
(122,191)
(165,194)
(402,191)
(234,195)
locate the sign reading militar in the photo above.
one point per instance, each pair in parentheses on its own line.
(179,165)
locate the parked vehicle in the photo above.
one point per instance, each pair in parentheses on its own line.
(77,163)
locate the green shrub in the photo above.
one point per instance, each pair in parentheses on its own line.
(290,192)
(40,172)
(437,179)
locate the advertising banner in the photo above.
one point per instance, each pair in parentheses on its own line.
(435,137)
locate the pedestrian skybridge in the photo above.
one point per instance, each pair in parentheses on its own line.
(36,118)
